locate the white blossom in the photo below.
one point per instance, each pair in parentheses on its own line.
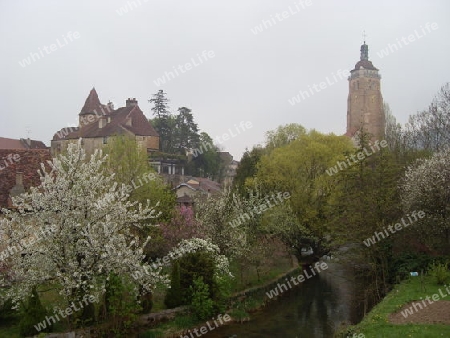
(88,242)
(199,244)
(426,186)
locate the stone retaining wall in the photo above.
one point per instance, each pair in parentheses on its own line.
(152,319)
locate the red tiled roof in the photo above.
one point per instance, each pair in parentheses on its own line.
(118,125)
(92,103)
(28,164)
(204,184)
(121,120)
(9,143)
(34,144)
(207,185)
(66,133)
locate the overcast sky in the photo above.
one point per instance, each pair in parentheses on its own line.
(54,52)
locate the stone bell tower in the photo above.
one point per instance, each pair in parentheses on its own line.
(365,103)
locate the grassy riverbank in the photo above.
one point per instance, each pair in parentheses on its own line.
(387,319)
(246,281)
(247,298)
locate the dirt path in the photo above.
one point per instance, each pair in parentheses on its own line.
(435,313)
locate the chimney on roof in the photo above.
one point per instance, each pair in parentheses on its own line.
(26,142)
(110,106)
(131,102)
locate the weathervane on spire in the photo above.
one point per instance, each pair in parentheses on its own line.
(28,130)
(364,36)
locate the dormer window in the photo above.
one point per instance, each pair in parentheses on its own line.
(101,123)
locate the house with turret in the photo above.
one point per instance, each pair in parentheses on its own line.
(99,122)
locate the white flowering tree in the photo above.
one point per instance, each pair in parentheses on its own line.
(426,187)
(191,245)
(83,227)
(233,223)
(217,216)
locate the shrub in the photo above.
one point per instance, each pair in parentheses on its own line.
(185,271)
(32,313)
(6,312)
(202,305)
(146,302)
(194,265)
(87,315)
(120,305)
(223,294)
(174,295)
(406,262)
(439,272)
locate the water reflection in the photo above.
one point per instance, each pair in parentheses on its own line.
(314,309)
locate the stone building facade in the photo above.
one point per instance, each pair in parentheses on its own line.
(98,122)
(365,103)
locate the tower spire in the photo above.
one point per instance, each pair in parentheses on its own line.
(364,49)
(365,102)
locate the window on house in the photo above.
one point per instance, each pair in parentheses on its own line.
(105,140)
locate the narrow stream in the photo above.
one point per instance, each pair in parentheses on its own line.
(316,308)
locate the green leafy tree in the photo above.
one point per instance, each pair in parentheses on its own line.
(282,222)
(283,135)
(130,166)
(300,168)
(206,161)
(164,121)
(366,200)
(247,169)
(186,134)
(161,104)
